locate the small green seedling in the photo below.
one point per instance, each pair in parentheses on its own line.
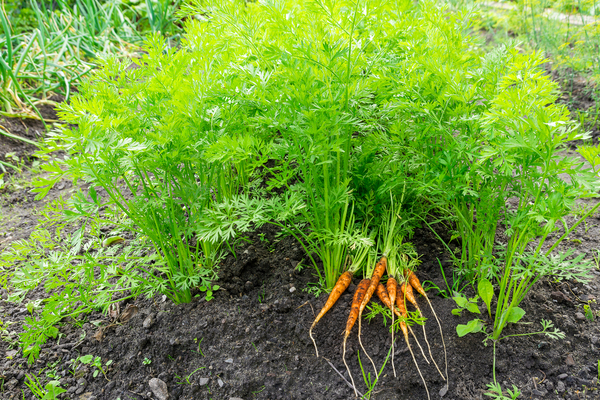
(49,392)
(199,351)
(187,378)
(93,361)
(147,361)
(495,391)
(209,290)
(589,314)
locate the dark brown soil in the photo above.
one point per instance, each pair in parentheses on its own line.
(15,151)
(252,340)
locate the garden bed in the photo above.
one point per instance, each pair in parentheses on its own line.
(252,342)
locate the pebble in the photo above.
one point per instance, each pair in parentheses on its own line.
(569,360)
(540,393)
(594,339)
(203,381)
(292,289)
(580,316)
(81,382)
(443,391)
(560,387)
(562,376)
(87,396)
(229,361)
(148,322)
(159,388)
(220,382)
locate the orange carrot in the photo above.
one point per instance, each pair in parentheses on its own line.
(375,278)
(340,287)
(354,311)
(392,288)
(407,292)
(415,283)
(377,274)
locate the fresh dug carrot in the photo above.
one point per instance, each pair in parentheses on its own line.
(375,278)
(340,287)
(392,288)
(407,293)
(359,296)
(415,283)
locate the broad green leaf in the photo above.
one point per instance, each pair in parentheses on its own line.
(515,314)
(474,308)
(457,311)
(486,292)
(86,359)
(112,241)
(473,326)
(461,301)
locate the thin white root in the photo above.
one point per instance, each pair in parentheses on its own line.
(443,342)
(365,350)
(393,366)
(416,365)
(348,368)
(418,344)
(313,340)
(431,355)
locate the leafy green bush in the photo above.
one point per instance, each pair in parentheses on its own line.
(350,101)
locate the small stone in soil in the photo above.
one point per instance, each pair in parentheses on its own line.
(229,361)
(203,381)
(220,382)
(292,289)
(148,322)
(159,388)
(443,391)
(569,360)
(562,376)
(560,387)
(580,316)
